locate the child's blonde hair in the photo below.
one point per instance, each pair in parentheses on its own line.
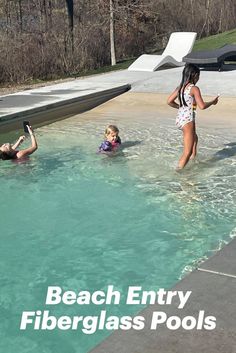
(111,128)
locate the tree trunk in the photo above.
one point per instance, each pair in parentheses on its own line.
(192,14)
(220,20)
(206,22)
(20,15)
(70,9)
(112,34)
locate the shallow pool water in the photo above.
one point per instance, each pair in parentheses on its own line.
(73,218)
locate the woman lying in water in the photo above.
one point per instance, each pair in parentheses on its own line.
(8,151)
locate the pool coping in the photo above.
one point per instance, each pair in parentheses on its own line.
(213,286)
(60,108)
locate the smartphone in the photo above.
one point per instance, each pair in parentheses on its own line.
(25,123)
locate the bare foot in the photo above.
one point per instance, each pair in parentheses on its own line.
(178,169)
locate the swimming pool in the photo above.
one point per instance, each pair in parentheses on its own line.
(79,220)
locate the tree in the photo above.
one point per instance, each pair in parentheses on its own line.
(206,22)
(70,9)
(112,34)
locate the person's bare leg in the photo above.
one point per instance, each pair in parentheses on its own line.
(194,153)
(189,140)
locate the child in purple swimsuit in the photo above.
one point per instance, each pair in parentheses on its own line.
(112,139)
(189,97)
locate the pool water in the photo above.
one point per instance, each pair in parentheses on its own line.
(73,218)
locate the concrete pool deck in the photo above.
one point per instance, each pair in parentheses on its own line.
(213,286)
(54,102)
(213,283)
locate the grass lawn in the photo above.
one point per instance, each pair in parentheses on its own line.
(216,41)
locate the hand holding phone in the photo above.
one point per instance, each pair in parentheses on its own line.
(25,126)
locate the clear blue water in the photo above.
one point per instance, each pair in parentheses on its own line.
(82,221)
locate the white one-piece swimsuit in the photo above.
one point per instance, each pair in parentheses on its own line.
(186,114)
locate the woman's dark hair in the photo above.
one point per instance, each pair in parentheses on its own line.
(5,156)
(189,74)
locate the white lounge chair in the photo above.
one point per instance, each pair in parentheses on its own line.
(179,45)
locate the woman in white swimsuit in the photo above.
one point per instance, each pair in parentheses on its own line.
(189,97)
